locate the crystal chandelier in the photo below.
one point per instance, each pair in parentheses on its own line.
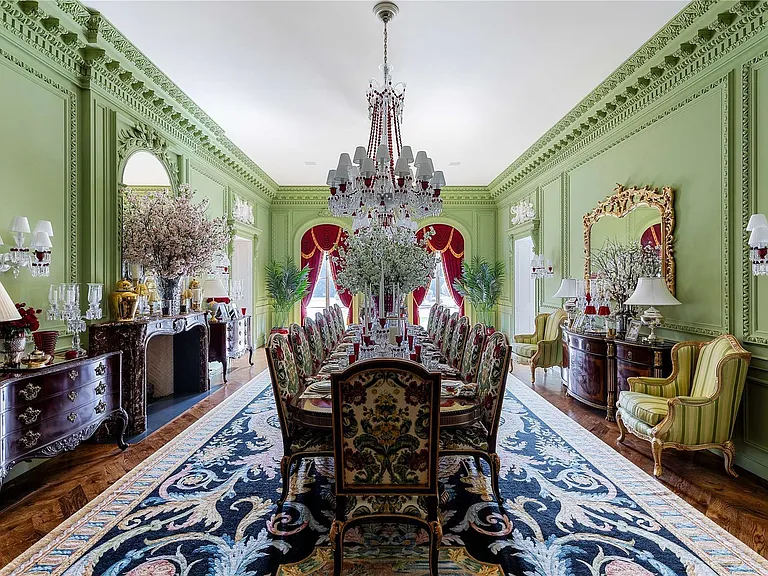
(371,187)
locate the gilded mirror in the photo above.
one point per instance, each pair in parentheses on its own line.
(645,215)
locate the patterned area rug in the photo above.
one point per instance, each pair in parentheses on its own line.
(204,505)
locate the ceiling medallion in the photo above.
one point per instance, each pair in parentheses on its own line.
(371,187)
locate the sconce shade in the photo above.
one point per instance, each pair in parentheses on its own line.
(41,240)
(19,224)
(652,292)
(758,237)
(757,221)
(44,226)
(8,310)
(214,288)
(568,289)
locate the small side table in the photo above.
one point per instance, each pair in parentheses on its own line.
(230,339)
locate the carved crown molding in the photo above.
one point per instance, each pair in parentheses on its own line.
(143,137)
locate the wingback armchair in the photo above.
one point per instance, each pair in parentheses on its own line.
(695,408)
(543,348)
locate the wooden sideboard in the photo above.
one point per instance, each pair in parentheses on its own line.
(48,410)
(599,367)
(190,357)
(230,339)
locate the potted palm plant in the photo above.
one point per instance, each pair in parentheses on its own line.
(287,284)
(480,283)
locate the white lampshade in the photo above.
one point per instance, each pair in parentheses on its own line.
(344,160)
(330,181)
(421,157)
(368,168)
(402,168)
(19,224)
(568,289)
(758,237)
(214,288)
(342,174)
(407,153)
(382,153)
(43,226)
(8,310)
(360,154)
(438,180)
(757,221)
(41,240)
(652,292)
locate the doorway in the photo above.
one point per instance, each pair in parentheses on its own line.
(242,269)
(525,286)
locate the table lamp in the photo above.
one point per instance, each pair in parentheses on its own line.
(214,288)
(568,290)
(8,311)
(652,292)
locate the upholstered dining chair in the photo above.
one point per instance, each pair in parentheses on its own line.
(340,319)
(695,408)
(543,348)
(470,360)
(298,441)
(333,328)
(305,365)
(479,439)
(386,418)
(445,340)
(315,342)
(325,334)
(440,322)
(458,343)
(431,318)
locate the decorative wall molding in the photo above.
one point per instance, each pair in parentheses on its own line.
(242,210)
(565,219)
(607,107)
(521,212)
(141,136)
(318,196)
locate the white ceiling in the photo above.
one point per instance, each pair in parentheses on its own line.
(286,80)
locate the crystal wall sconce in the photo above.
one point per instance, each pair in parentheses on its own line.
(541,269)
(37,256)
(758,244)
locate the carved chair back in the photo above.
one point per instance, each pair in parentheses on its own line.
(492,381)
(301,351)
(470,361)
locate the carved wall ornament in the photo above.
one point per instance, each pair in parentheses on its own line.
(143,137)
(242,211)
(522,212)
(621,203)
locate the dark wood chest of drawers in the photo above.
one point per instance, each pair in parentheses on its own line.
(44,412)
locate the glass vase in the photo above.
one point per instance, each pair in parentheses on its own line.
(170,295)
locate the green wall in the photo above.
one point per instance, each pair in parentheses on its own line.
(684,112)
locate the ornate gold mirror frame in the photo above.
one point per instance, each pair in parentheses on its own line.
(621,203)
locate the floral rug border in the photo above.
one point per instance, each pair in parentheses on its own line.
(722,550)
(57,550)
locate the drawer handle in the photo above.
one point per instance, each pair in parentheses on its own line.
(100,407)
(72,416)
(100,388)
(101,369)
(30,391)
(73,374)
(72,395)
(29,415)
(29,439)
(629,354)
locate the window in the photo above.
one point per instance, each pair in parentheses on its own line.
(324,294)
(438,293)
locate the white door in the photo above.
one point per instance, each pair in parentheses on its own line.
(525,287)
(242,269)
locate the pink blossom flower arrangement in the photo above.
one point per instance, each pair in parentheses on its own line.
(170,234)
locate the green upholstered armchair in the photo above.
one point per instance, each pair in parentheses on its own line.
(543,348)
(695,408)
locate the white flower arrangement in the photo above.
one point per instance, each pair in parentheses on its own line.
(621,265)
(405,261)
(170,234)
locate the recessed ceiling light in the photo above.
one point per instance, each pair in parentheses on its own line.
(310,163)
(454,163)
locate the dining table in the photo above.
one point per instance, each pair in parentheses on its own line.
(458,405)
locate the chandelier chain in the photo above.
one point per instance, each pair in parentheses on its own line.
(385,45)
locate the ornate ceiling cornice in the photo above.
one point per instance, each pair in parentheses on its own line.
(669,58)
(317,195)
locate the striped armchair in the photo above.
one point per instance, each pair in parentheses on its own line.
(543,348)
(695,408)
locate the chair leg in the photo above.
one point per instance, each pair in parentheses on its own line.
(285,467)
(495,463)
(729,451)
(533,373)
(435,537)
(622,429)
(656,447)
(336,536)
(479,464)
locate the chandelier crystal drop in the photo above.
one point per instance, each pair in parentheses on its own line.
(385,184)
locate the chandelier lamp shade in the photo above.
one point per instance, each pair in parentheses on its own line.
(384,184)
(758,243)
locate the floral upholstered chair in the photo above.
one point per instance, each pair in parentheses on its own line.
(340,319)
(298,441)
(479,440)
(543,348)
(386,418)
(470,360)
(458,343)
(445,340)
(325,334)
(431,319)
(305,365)
(436,323)
(695,408)
(315,343)
(333,328)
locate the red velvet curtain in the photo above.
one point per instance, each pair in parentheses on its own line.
(345,297)
(450,243)
(315,242)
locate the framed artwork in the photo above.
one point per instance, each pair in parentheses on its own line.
(633,331)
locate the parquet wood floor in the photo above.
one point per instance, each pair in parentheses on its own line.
(35,503)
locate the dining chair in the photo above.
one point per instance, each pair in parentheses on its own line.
(386,422)
(445,341)
(325,334)
(470,360)
(341,321)
(332,327)
(315,343)
(298,441)
(440,325)
(431,318)
(479,439)
(458,343)
(436,323)
(297,338)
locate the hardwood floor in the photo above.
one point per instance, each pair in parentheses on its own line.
(34,504)
(740,505)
